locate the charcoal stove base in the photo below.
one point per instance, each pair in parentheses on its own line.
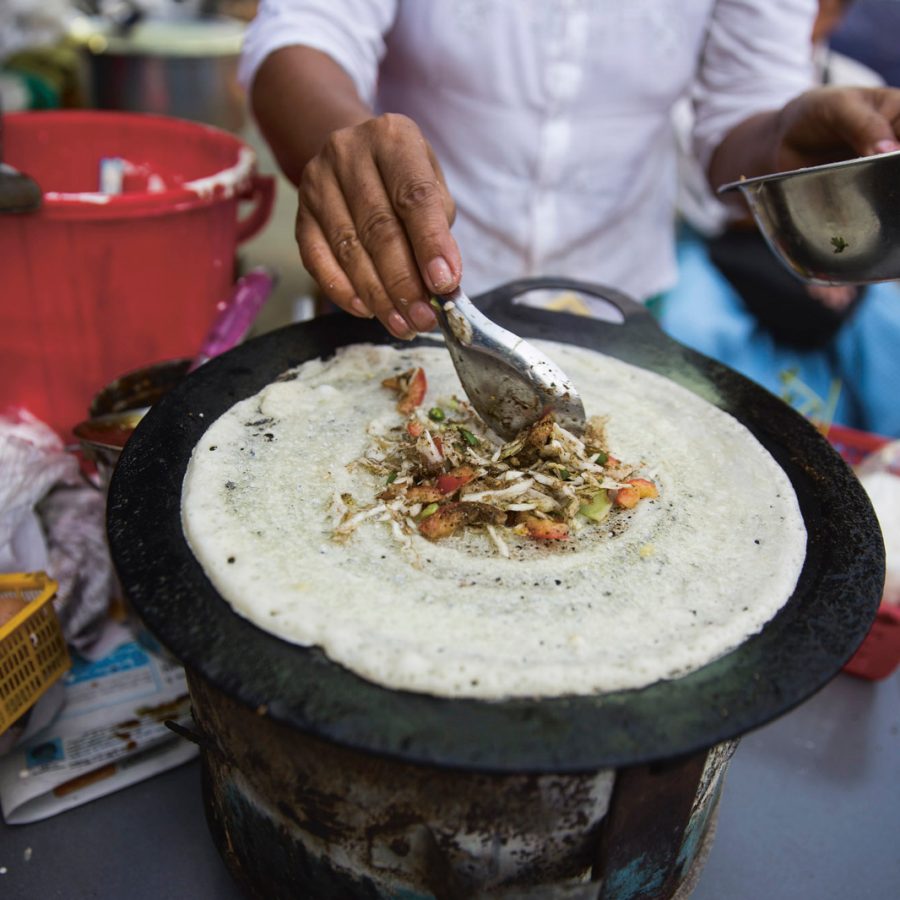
(294,817)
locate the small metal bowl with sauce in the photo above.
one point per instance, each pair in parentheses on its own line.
(103,437)
(837,223)
(117,409)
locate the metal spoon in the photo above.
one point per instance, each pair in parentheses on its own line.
(510,383)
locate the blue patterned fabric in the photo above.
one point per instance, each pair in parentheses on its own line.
(704,312)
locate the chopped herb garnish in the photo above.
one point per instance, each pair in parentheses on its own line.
(564,474)
(469,438)
(429,510)
(602,458)
(391,478)
(436,414)
(839,244)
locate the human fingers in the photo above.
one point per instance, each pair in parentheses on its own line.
(383,235)
(418,194)
(321,264)
(333,254)
(888,103)
(371,239)
(832,296)
(869,119)
(833,123)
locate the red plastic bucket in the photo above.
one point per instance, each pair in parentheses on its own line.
(94,285)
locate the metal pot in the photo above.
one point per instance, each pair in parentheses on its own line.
(186,68)
(308,759)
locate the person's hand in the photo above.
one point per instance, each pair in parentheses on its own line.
(832,123)
(373,224)
(836,297)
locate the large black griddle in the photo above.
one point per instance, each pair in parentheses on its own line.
(800,650)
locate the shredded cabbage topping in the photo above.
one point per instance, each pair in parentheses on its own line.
(443,471)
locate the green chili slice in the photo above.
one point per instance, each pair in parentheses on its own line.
(429,510)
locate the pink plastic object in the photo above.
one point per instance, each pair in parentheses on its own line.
(879,654)
(855,445)
(235,315)
(94,285)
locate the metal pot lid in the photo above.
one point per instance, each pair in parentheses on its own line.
(187,37)
(796,653)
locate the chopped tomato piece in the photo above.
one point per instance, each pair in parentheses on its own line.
(638,489)
(455,479)
(644,487)
(411,386)
(414,428)
(415,392)
(627,497)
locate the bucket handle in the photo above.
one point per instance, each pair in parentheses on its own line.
(261,191)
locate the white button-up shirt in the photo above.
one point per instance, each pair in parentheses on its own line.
(551,118)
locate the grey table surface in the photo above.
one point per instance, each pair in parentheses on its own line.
(811,809)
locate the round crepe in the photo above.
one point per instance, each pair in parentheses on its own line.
(694,573)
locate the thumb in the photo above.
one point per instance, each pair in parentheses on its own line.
(865,126)
(885,146)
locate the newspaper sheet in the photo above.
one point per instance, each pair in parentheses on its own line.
(110,733)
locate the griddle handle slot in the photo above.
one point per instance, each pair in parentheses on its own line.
(499,303)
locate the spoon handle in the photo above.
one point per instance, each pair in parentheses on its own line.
(508,381)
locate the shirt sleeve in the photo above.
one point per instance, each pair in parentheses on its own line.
(352,32)
(757,56)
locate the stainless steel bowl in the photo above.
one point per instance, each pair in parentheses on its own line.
(182,67)
(833,224)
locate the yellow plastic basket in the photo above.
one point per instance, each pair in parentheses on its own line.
(33,652)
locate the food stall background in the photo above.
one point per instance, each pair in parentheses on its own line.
(177,59)
(61,54)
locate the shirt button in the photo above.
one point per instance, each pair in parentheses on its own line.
(563,78)
(556,136)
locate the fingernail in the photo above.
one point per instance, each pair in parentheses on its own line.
(360,308)
(422,316)
(398,326)
(440,275)
(886,146)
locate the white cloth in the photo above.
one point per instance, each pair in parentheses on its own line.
(52,521)
(33,461)
(552,119)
